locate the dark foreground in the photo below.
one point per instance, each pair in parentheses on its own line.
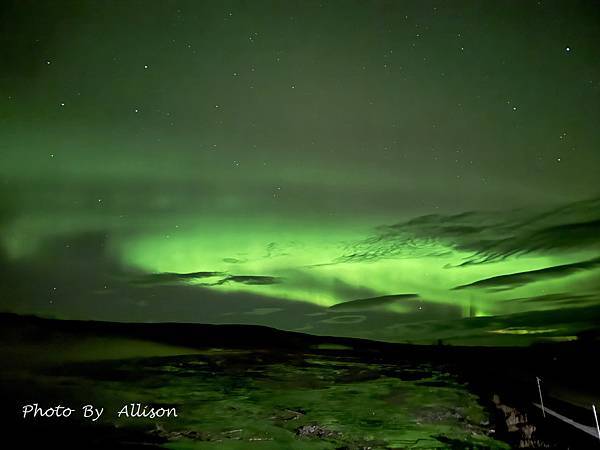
(238,387)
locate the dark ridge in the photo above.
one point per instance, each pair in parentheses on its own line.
(507,372)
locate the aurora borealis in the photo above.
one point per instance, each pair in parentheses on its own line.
(402,171)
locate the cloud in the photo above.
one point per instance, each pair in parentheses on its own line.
(171,277)
(377,303)
(514,280)
(205,279)
(251,279)
(557,300)
(485,236)
(345,320)
(263,311)
(234,260)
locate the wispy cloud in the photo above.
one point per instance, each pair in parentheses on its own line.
(205,279)
(376,303)
(173,277)
(514,280)
(251,279)
(564,299)
(484,236)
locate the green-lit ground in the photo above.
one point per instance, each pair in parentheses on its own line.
(241,399)
(238,387)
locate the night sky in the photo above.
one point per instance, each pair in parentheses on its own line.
(395,170)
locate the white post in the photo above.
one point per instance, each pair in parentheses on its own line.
(541,399)
(596,417)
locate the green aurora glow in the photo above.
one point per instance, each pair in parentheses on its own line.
(297,156)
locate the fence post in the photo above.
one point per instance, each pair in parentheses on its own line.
(541,399)
(596,417)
